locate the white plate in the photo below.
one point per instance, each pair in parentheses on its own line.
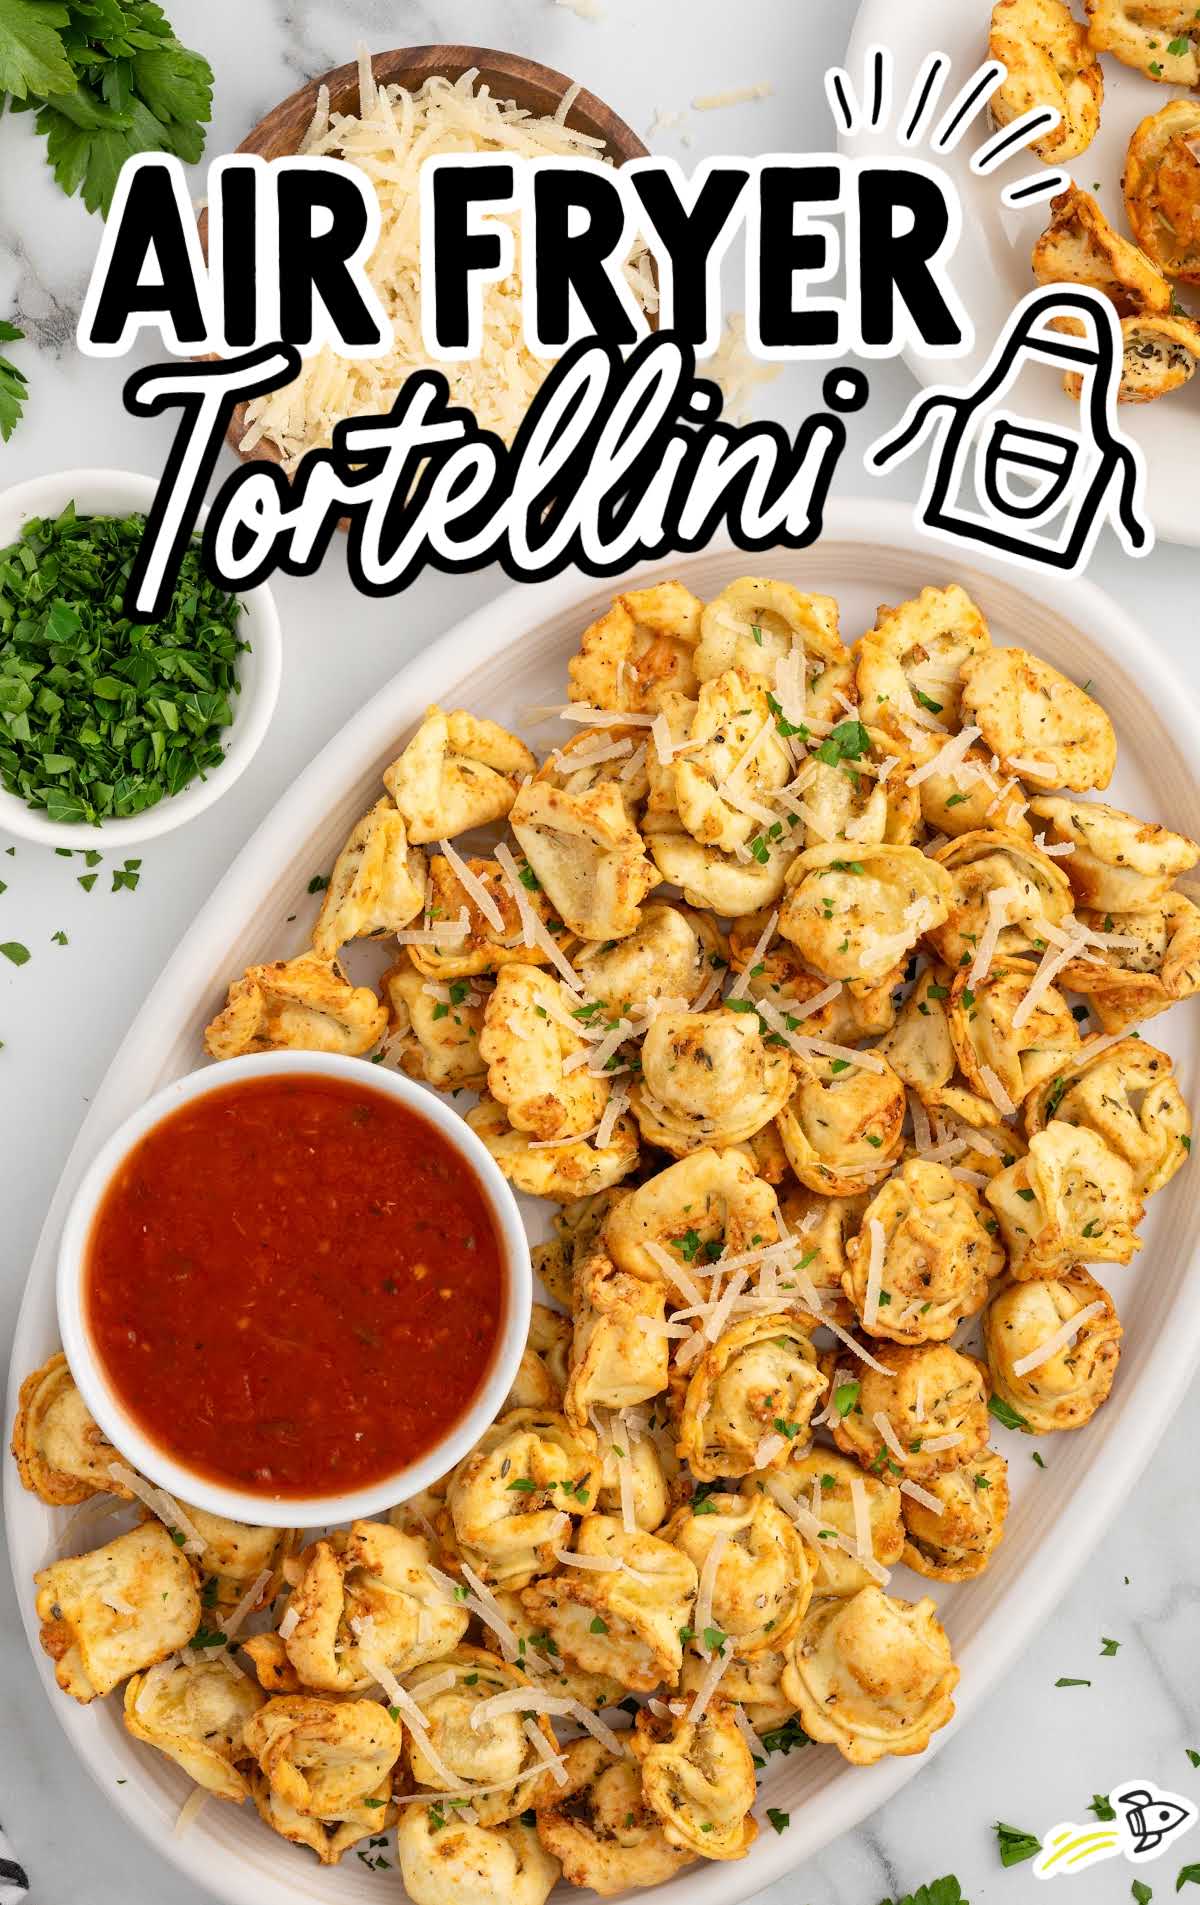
(502,659)
(992,268)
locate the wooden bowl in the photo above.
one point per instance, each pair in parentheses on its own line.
(538,89)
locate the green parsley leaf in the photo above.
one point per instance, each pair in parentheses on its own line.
(1015,1845)
(1005,1414)
(598,1626)
(1037,1458)
(1178,47)
(1099,1804)
(1140,1892)
(714,1640)
(946,1891)
(1193,1755)
(780,1820)
(844,1398)
(1072,1683)
(14,387)
(13,949)
(522,1485)
(87,881)
(926,701)
(529,880)
(849,741)
(1108,1647)
(1188,1875)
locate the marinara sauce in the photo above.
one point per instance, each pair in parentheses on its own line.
(295,1285)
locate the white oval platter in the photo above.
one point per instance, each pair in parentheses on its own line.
(504,658)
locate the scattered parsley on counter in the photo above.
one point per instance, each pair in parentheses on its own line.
(1101,1807)
(1108,1647)
(59,939)
(126,876)
(1140,1892)
(1015,1845)
(945,1891)
(13,386)
(1193,1755)
(107,79)
(1005,1414)
(1072,1683)
(782,1739)
(1188,1875)
(101,716)
(780,1820)
(13,949)
(318,883)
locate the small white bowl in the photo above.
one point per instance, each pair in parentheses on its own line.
(123,493)
(290,1512)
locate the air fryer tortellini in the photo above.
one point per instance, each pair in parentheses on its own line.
(110,1613)
(843,1125)
(666,957)
(374,1580)
(507,1496)
(853,914)
(621,1615)
(448,1861)
(1117,864)
(1048,62)
(475,1730)
(327,1759)
(707,1078)
(922,1258)
(1000,1038)
(1158,37)
(642,1470)
(698,1776)
(1052,1345)
(709,878)
(1159,354)
(842,1497)
(1042,726)
(484,946)
(1069,1198)
(640,650)
(1128,1095)
(304,1004)
(871,1675)
(927,1413)
(527,1037)
(433,1030)
(1162,178)
(564,1170)
(588,856)
(196,1712)
(1079,246)
(912,657)
(999,878)
(863,794)
(457,772)
(61,1453)
(377,884)
(615,1361)
(687,1213)
(775,972)
(750,1399)
(601,1828)
(731,738)
(753,625)
(577,1227)
(542,1377)
(1155,961)
(954,1536)
(921,1051)
(762,1581)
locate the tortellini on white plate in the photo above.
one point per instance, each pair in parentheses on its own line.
(1162,176)
(707,1079)
(698,1776)
(1001,1039)
(458,772)
(377,884)
(1117,863)
(954,1537)
(1069,1199)
(474,1732)
(325,1757)
(1079,246)
(563,1169)
(853,911)
(588,856)
(927,1413)
(831,1487)
(527,1040)
(62,1455)
(755,624)
(750,1398)
(121,1608)
(304,1004)
(998,876)
(1158,37)
(705,1204)
(843,1125)
(666,957)
(541,1378)
(708,877)
(601,1828)
(1052,1346)
(618,1356)
(909,664)
(433,1029)
(1157,963)
(484,947)
(329,1839)
(506,1497)
(1128,1095)
(365,1598)
(762,1582)
(620,1607)
(871,1675)
(195,1711)
(1048,62)
(935,1256)
(641,649)
(731,738)
(448,1861)
(1042,726)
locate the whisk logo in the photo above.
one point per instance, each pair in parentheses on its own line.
(1147,1821)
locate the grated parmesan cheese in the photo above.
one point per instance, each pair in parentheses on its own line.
(734,96)
(922,1495)
(1062,1337)
(996,1092)
(874,1273)
(890,1437)
(862,1518)
(473,886)
(160,1504)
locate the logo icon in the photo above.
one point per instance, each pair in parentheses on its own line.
(1147,1821)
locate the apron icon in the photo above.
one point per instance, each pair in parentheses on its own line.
(1036,492)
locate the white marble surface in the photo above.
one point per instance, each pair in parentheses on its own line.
(1033,1754)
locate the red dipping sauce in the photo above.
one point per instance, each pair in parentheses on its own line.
(294,1285)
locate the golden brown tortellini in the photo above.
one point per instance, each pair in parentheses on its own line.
(707,1078)
(329,1839)
(649,1468)
(955,1540)
(457,772)
(601,1828)
(750,1398)
(195,1711)
(763,1579)
(754,624)
(622,1614)
(448,1861)
(303,1004)
(921,1052)
(1159,354)
(641,649)
(837,1492)
(565,1170)
(433,1030)
(1069,1198)
(999,1038)
(966,796)
(542,1375)
(484,947)
(929,1414)
(731,737)
(1041,725)
(588,856)
(1159,965)
(505,1498)
(377,884)
(1079,246)
(366,1598)
(751,1684)
(666,957)
(592,756)
(482,1744)
(121,1608)
(1062,1390)
(553,1671)
(576,1228)
(910,660)
(935,1256)
(1048,62)
(852,915)
(1158,37)
(698,1776)
(709,878)
(997,875)
(235,1554)
(326,1758)
(871,1675)
(527,1038)
(615,1362)
(709,1200)
(1128,1095)
(1118,864)
(62,1455)
(843,1124)
(777,973)
(1162,179)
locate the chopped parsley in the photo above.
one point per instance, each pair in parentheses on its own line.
(845,1397)
(1005,1414)
(1066,1682)
(780,1820)
(13,950)
(1108,1647)
(1015,1845)
(849,741)
(1099,1804)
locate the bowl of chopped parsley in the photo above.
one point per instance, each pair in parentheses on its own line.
(109,726)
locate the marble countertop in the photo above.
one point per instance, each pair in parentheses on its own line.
(1032,1754)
